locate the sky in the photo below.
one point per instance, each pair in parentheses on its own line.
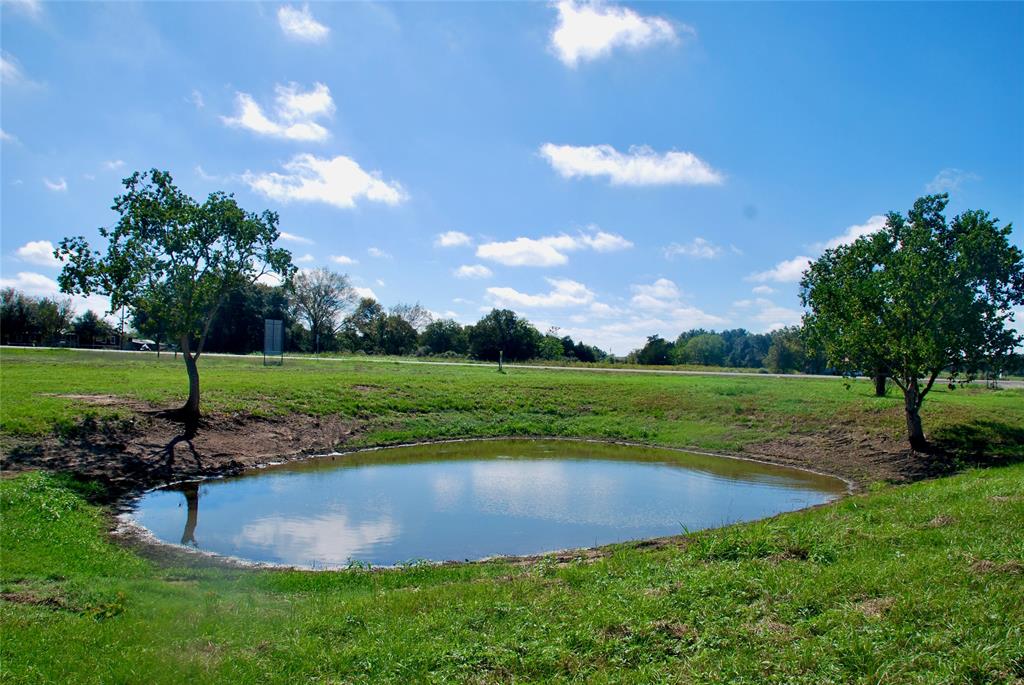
(615,170)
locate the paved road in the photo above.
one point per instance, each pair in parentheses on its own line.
(1014,384)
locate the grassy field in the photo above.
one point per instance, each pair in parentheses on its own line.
(399,403)
(908,584)
(920,583)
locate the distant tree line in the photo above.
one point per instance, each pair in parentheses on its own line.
(780,351)
(27,320)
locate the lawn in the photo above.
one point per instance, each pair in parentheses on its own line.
(400,403)
(919,583)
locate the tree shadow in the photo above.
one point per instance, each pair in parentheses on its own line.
(982,442)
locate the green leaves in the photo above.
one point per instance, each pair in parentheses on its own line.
(172,258)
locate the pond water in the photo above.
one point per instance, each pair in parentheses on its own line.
(469,500)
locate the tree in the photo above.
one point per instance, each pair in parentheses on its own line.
(176,260)
(360,328)
(919,297)
(416,315)
(550,347)
(707,349)
(786,352)
(503,331)
(320,297)
(91,328)
(395,335)
(446,335)
(657,351)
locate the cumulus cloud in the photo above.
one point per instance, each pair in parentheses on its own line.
(378,253)
(38,285)
(365,292)
(293,238)
(114,164)
(769,315)
(640,166)
(473,271)
(294,116)
(550,250)
(29,8)
(787,271)
(298,23)
(38,252)
(452,239)
(762,290)
(698,248)
(586,31)
(196,98)
(791,270)
(564,293)
(873,225)
(7,137)
(58,186)
(338,181)
(343,260)
(950,180)
(304,259)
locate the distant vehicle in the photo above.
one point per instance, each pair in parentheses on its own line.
(142,345)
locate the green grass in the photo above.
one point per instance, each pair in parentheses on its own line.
(401,402)
(908,584)
(905,584)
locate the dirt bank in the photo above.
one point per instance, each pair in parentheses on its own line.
(152,450)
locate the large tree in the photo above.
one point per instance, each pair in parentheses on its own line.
(176,260)
(503,332)
(320,297)
(919,298)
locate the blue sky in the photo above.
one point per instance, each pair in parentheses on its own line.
(616,170)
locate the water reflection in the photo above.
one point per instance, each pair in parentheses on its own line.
(470,500)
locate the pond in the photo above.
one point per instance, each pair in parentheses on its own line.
(470,500)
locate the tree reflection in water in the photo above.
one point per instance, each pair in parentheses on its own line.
(191,492)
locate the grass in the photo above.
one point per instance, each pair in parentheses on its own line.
(400,403)
(909,584)
(903,584)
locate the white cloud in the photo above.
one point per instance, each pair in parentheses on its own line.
(872,225)
(58,186)
(564,293)
(298,23)
(11,73)
(365,292)
(292,238)
(791,270)
(788,271)
(295,113)
(587,31)
(114,164)
(769,315)
(38,285)
(196,98)
(304,259)
(8,137)
(550,250)
(30,8)
(950,180)
(662,294)
(343,260)
(201,173)
(452,239)
(602,241)
(698,248)
(38,252)
(762,290)
(473,271)
(378,253)
(640,166)
(338,181)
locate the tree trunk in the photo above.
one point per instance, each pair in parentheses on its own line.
(915,432)
(190,411)
(880,385)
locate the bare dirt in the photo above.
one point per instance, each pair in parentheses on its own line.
(152,450)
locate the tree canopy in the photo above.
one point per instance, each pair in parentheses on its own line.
(175,259)
(918,298)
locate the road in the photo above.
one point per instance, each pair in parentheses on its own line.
(1008,384)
